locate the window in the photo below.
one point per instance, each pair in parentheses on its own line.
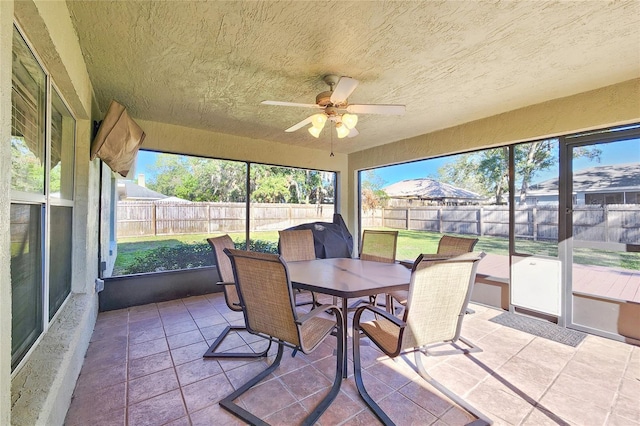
(463,195)
(176,202)
(42,170)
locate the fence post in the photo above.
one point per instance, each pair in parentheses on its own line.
(153,219)
(605,213)
(440,220)
(408,218)
(480,223)
(534,219)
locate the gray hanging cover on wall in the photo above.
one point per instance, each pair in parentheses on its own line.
(118,139)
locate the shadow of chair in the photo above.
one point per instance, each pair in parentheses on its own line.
(297,245)
(225,271)
(266,297)
(448,247)
(438,296)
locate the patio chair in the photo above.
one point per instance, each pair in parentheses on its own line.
(266,298)
(448,247)
(377,246)
(297,245)
(438,296)
(218,244)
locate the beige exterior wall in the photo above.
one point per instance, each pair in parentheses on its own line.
(40,391)
(608,106)
(6,28)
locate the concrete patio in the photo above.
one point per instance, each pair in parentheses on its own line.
(144,366)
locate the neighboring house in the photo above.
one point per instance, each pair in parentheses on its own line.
(130,191)
(430,192)
(619,184)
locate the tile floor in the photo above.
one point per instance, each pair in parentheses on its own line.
(144,366)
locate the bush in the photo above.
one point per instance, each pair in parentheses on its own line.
(186,256)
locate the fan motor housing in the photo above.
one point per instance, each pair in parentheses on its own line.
(324,98)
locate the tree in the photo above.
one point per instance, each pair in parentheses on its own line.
(487,171)
(373,196)
(198,179)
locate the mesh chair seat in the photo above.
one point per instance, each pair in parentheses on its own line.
(267,301)
(438,296)
(231,297)
(448,247)
(297,245)
(379,246)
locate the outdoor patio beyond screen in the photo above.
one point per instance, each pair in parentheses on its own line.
(176,202)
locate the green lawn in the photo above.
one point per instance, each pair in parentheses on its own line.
(410,245)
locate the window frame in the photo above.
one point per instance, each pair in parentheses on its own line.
(46,202)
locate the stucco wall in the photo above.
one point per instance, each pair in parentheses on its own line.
(184,140)
(6,29)
(607,106)
(41,389)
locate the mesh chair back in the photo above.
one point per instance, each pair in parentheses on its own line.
(265,294)
(218,244)
(379,246)
(438,297)
(296,245)
(456,245)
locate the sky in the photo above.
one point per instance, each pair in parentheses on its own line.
(613,153)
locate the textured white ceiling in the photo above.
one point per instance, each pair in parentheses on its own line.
(208,65)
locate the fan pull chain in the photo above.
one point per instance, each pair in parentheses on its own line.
(331,133)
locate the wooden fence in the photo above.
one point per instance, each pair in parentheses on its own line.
(609,223)
(167,218)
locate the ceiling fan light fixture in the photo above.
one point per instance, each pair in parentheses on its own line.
(342,130)
(315,132)
(350,120)
(318,121)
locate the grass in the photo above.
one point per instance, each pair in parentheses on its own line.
(410,245)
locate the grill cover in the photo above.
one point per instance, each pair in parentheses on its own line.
(330,239)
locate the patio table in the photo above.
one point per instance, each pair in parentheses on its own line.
(348,278)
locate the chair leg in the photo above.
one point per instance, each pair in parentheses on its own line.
(357,373)
(483,420)
(228,404)
(337,381)
(211,353)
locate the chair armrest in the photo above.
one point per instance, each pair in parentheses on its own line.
(435,256)
(315,312)
(406,263)
(386,315)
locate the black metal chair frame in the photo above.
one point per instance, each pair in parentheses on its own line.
(227,402)
(211,352)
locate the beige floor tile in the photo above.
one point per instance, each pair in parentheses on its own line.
(573,410)
(517,379)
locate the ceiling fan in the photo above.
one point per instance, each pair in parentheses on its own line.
(337,109)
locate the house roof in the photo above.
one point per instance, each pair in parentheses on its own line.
(429,189)
(595,179)
(208,64)
(132,191)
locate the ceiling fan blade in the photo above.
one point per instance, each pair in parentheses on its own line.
(344,88)
(353,133)
(377,109)
(280,103)
(300,124)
